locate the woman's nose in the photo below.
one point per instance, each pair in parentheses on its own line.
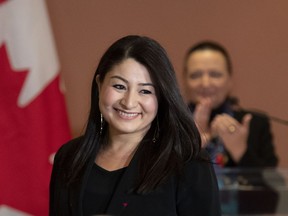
(206,81)
(129,100)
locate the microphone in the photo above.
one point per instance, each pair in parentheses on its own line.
(234,101)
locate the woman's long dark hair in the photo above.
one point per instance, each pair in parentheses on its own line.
(178,140)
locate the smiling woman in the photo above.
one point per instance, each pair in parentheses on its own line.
(140,154)
(232,136)
(127,100)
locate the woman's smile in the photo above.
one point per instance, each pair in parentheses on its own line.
(127,115)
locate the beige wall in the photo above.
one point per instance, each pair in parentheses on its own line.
(254,31)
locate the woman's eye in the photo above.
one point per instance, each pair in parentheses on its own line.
(195,75)
(144,91)
(215,74)
(119,87)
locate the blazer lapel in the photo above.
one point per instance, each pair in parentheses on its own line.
(74,198)
(76,190)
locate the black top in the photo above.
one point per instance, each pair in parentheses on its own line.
(100,187)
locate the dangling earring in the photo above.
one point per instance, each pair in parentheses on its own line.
(156,132)
(101,123)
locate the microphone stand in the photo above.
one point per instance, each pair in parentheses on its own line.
(235,104)
(273,118)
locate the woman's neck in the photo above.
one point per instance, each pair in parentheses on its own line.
(118,151)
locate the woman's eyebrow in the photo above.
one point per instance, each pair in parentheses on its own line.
(126,81)
(121,78)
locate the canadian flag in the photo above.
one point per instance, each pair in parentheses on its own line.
(33,119)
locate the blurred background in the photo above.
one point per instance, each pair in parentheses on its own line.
(254,32)
(50,42)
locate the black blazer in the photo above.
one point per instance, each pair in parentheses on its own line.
(194,193)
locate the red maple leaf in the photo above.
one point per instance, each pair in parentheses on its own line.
(29,135)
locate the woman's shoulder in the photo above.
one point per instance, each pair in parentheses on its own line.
(70,145)
(199,166)
(256,116)
(202,159)
(198,177)
(255,113)
(67,150)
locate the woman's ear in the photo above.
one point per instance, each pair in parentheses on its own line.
(98,82)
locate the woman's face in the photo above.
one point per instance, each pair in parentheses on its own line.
(127,98)
(207,77)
